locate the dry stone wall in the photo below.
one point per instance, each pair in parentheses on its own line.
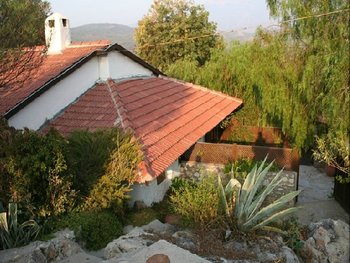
(196,169)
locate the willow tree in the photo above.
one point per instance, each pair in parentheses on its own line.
(323,29)
(264,73)
(173,30)
(295,77)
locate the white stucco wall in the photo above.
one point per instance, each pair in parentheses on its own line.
(153,192)
(103,67)
(59,96)
(121,66)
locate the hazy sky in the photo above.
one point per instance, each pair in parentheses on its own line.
(228,14)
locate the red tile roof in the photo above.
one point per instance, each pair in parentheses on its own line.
(50,66)
(167,116)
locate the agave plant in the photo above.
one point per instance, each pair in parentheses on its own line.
(249,197)
(11,233)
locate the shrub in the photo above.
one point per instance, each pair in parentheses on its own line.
(95,229)
(7,135)
(294,234)
(179,184)
(240,168)
(246,165)
(37,173)
(197,202)
(112,188)
(249,197)
(88,152)
(13,234)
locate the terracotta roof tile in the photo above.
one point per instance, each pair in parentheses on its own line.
(166,116)
(93,110)
(49,67)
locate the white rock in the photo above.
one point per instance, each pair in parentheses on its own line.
(130,242)
(158,227)
(135,232)
(81,258)
(175,254)
(289,255)
(60,247)
(328,242)
(127,229)
(341,229)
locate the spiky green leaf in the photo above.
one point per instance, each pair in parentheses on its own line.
(276,217)
(271,209)
(268,189)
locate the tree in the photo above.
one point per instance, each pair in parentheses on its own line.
(265,74)
(295,77)
(174,30)
(21,30)
(323,29)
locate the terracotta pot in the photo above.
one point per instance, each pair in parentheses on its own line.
(330,170)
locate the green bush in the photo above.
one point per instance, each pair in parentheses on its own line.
(242,135)
(294,234)
(179,184)
(110,191)
(197,203)
(88,153)
(7,135)
(240,168)
(36,172)
(94,229)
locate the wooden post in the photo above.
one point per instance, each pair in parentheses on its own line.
(234,152)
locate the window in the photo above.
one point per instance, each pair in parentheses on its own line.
(64,22)
(51,23)
(161,178)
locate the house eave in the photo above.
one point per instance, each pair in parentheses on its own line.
(103,52)
(48,85)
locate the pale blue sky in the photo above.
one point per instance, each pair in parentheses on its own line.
(228,14)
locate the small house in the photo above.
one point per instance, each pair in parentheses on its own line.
(96,85)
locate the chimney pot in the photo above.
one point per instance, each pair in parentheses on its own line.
(57,33)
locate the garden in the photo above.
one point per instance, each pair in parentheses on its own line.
(49,182)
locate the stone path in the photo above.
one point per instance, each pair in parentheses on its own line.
(316,198)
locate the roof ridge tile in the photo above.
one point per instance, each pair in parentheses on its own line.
(97,43)
(119,106)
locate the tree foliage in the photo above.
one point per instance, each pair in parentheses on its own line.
(174,30)
(21,30)
(263,73)
(296,77)
(324,84)
(88,153)
(44,173)
(112,188)
(34,172)
(22,23)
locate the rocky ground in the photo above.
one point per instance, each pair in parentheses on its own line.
(327,241)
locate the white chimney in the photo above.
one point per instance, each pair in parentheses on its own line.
(57,33)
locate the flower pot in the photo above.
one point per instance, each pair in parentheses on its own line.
(330,170)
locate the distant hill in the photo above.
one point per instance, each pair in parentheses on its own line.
(123,34)
(237,35)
